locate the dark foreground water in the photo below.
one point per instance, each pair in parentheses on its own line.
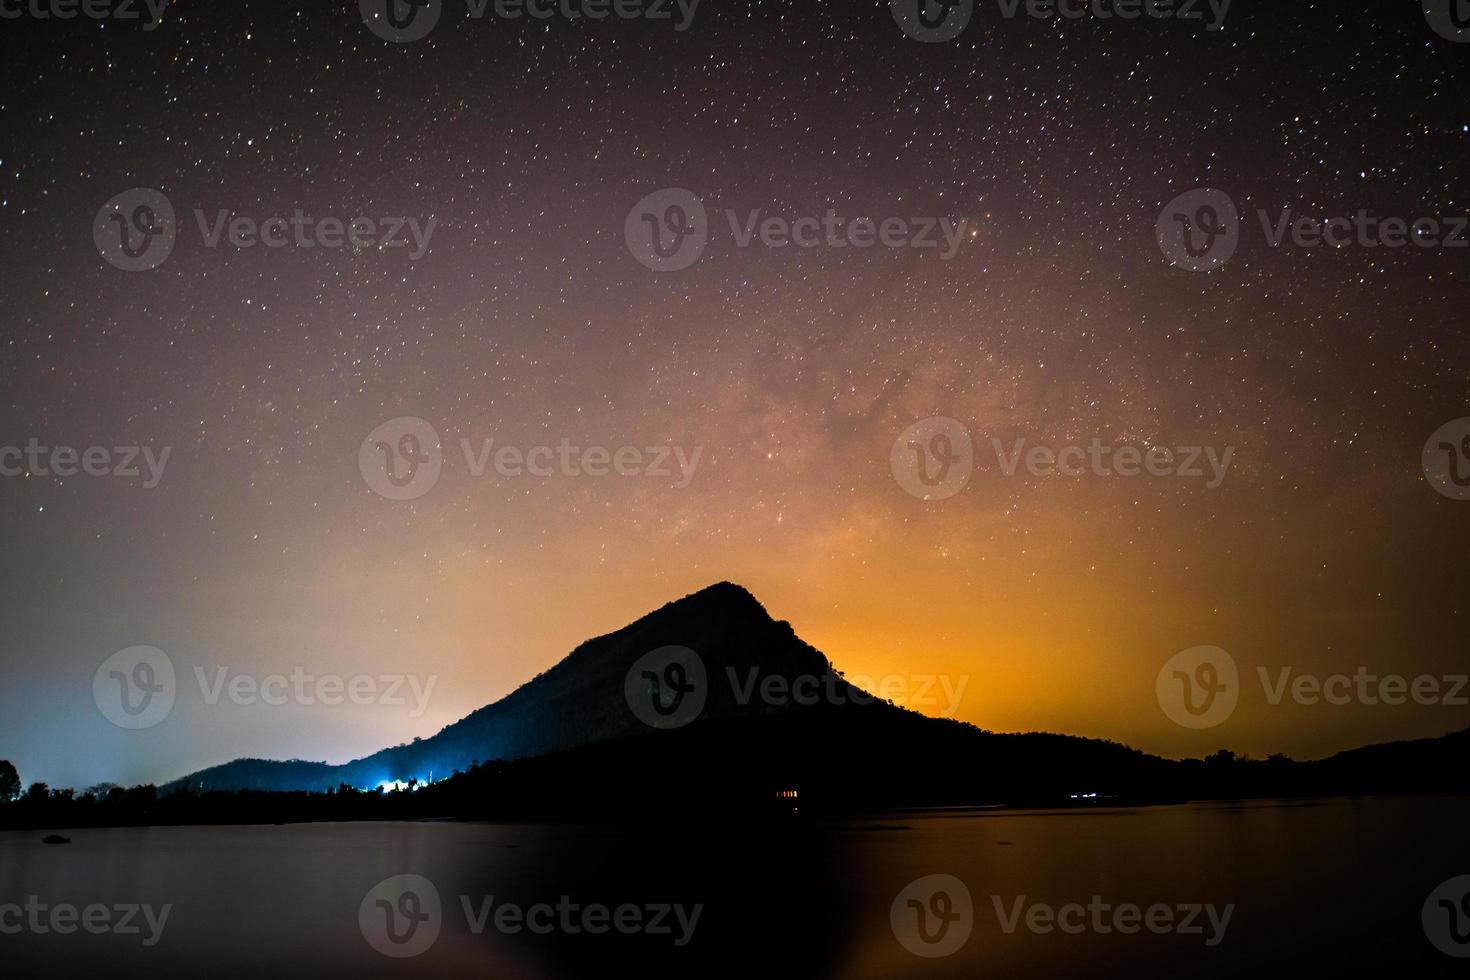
(1338,887)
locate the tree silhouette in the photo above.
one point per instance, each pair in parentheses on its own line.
(9,782)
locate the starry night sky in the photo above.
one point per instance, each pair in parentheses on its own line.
(529,321)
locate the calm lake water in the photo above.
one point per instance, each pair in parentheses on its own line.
(1314,889)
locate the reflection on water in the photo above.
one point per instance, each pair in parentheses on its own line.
(1207,890)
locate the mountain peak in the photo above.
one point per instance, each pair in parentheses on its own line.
(728,596)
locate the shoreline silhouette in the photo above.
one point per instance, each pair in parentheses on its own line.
(577,742)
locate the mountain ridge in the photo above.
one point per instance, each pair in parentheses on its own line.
(566,737)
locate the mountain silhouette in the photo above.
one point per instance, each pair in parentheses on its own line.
(577,702)
(690,708)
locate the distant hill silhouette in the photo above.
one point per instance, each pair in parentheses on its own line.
(568,743)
